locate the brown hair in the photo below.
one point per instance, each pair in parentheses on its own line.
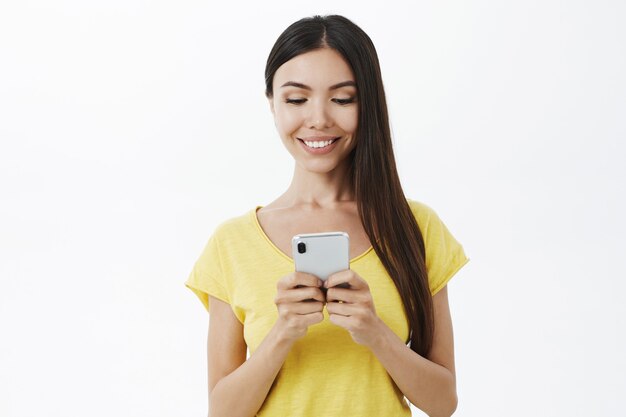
(384,210)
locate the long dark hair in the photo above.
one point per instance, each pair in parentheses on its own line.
(384,211)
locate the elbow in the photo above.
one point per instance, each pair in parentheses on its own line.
(452,404)
(447,406)
(447,403)
(220,407)
(214,409)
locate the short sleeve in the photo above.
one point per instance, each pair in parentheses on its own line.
(445,256)
(206,277)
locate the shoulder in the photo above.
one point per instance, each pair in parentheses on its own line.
(432,227)
(234,227)
(423,213)
(444,254)
(230,235)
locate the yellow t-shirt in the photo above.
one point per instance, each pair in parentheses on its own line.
(326,373)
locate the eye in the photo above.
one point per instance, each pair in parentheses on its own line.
(344,101)
(295,100)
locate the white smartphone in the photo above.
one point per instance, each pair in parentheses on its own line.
(321,254)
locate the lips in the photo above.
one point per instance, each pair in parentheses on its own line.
(320,150)
(318,138)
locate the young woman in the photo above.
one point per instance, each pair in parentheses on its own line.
(327,350)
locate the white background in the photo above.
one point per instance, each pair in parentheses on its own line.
(130,129)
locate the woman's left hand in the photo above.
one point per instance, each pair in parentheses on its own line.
(353,308)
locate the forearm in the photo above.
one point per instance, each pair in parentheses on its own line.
(427,385)
(242,392)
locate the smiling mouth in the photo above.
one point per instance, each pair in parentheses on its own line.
(318,144)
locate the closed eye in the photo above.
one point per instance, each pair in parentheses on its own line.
(344,101)
(341,101)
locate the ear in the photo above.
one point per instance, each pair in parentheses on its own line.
(271,101)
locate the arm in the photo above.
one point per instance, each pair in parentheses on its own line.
(429,383)
(238,387)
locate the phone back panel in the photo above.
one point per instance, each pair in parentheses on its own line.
(326,253)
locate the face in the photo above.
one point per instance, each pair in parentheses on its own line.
(315,109)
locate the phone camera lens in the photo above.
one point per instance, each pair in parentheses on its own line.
(301,247)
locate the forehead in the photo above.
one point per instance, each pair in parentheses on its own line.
(319,68)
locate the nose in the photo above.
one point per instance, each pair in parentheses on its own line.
(318,117)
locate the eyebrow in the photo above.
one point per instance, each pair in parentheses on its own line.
(332,87)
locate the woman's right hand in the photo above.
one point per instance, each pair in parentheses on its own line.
(300,302)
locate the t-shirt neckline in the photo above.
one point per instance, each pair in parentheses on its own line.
(283,254)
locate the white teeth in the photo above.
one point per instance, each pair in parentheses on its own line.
(319,144)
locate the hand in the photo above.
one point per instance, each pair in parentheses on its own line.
(350,305)
(300,304)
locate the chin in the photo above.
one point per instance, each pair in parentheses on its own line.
(318,167)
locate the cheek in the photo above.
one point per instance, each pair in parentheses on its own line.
(286,121)
(348,121)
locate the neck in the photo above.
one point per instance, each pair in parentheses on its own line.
(312,190)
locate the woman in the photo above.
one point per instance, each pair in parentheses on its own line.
(327,350)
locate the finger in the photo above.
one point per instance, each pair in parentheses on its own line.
(306,308)
(340,320)
(343,309)
(299,279)
(306,280)
(346,278)
(296,295)
(340,294)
